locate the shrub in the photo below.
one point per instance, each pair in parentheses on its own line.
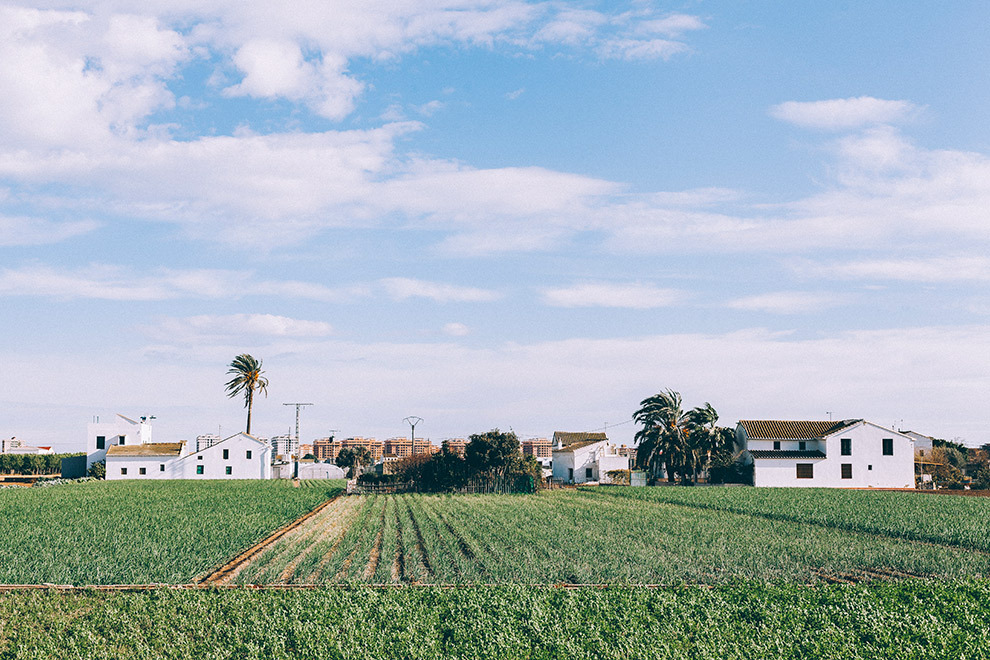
(97,470)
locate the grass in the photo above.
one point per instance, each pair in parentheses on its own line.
(130,532)
(914,619)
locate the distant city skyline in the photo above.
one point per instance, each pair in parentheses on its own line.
(507,214)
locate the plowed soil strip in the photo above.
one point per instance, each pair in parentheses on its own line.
(334,527)
(376,551)
(228,571)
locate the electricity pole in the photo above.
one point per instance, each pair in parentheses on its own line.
(412,421)
(292,455)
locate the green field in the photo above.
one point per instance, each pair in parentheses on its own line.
(124,532)
(919,620)
(631,536)
(743,573)
(948,520)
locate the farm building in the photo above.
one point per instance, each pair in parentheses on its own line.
(584,457)
(100,436)
(240,456)
(851,453)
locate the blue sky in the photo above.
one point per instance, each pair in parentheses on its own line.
(493,213)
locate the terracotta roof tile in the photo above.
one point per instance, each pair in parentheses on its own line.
(578,445)
(768,429)
(149,449)
(566,438)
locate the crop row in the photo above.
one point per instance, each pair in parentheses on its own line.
(574,537)
(916,619)
(129,532)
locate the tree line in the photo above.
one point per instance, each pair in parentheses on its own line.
(491,457)
(32,463)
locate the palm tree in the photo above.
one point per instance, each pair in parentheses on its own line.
(675,441)
(248,379)
(661,441)
(705,437)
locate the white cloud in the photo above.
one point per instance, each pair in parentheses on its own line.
(430,109)
(931,269)
(787,302)
(513,95)
(672,26)
(844,114)
(71,78)
(107,282)
(213,327)
(402,288)
(456,330)
(935,378)
(38,231)
(633,296)
(640,49)
(274,69)
(74,78)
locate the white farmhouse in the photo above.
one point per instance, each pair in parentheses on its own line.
(852,453)
(584,457)
(240,456)
(121,431)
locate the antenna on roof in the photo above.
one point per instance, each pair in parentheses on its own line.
(829,413)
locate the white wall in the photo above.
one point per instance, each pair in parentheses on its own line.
(215,464)
(151,464)
(134,433)
(870,468)
(563,461)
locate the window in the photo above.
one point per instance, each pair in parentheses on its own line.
(142,471)
(802,445)
(199,469)
(161,468)
(200,457)
(570,474)
(776,444)
(921,452)
(123,470)
(229,469)
(847,446)
(101,442)
(247,454)
(805,470)
(888,446)
(226,454)
(847,471)
(121,439)
(588,473)
(869,467)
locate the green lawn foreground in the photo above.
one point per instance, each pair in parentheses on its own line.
(129,532)
(916,619)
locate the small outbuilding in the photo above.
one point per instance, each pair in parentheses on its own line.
(584,457)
